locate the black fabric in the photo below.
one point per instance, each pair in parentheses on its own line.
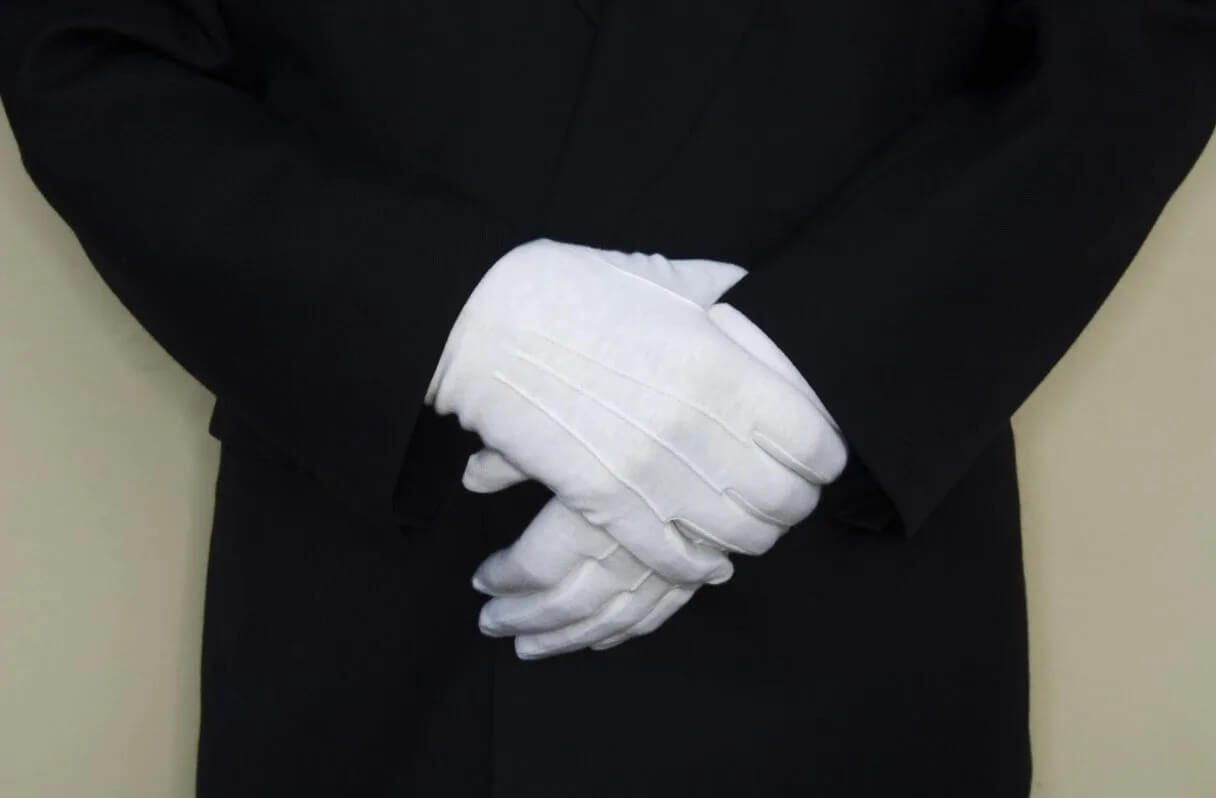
(296,196)
(972,249)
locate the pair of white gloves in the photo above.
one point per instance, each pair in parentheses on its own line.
(672,431)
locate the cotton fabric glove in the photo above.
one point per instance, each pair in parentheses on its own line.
(565,584)
(631,403)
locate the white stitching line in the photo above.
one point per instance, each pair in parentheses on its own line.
(756,511)
(699,531)
(553,416)
(621,415)
(648,283)
(722,490)
(815,474)
(702,410)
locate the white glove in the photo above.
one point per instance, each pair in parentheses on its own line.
(565,584)
(638,411)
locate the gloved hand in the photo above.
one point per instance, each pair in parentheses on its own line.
(634,406)
(565,584)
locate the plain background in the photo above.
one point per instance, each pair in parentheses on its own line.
(107,472)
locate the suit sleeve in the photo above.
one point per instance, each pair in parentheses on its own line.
(951,273)
(310,290)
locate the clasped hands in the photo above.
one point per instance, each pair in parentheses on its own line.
(672,431)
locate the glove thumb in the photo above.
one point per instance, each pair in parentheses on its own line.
(487,471)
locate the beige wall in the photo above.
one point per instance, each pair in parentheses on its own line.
(101,580)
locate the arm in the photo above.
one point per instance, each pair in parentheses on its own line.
(948,277)
(311,291)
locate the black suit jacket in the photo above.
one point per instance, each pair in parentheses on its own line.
(295,197)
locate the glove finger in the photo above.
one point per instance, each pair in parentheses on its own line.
(767,489)
(622,612)
(732,524)
(672,553)
(745,332)
(580,595)
(818,453)
(807,443)
(556,540)
(668,605)
(488,471)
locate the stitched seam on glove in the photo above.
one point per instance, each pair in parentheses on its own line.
(649,284)
(574,434)
(621,414)
(778,453)
(737,497)
(699,531)
(638,381)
